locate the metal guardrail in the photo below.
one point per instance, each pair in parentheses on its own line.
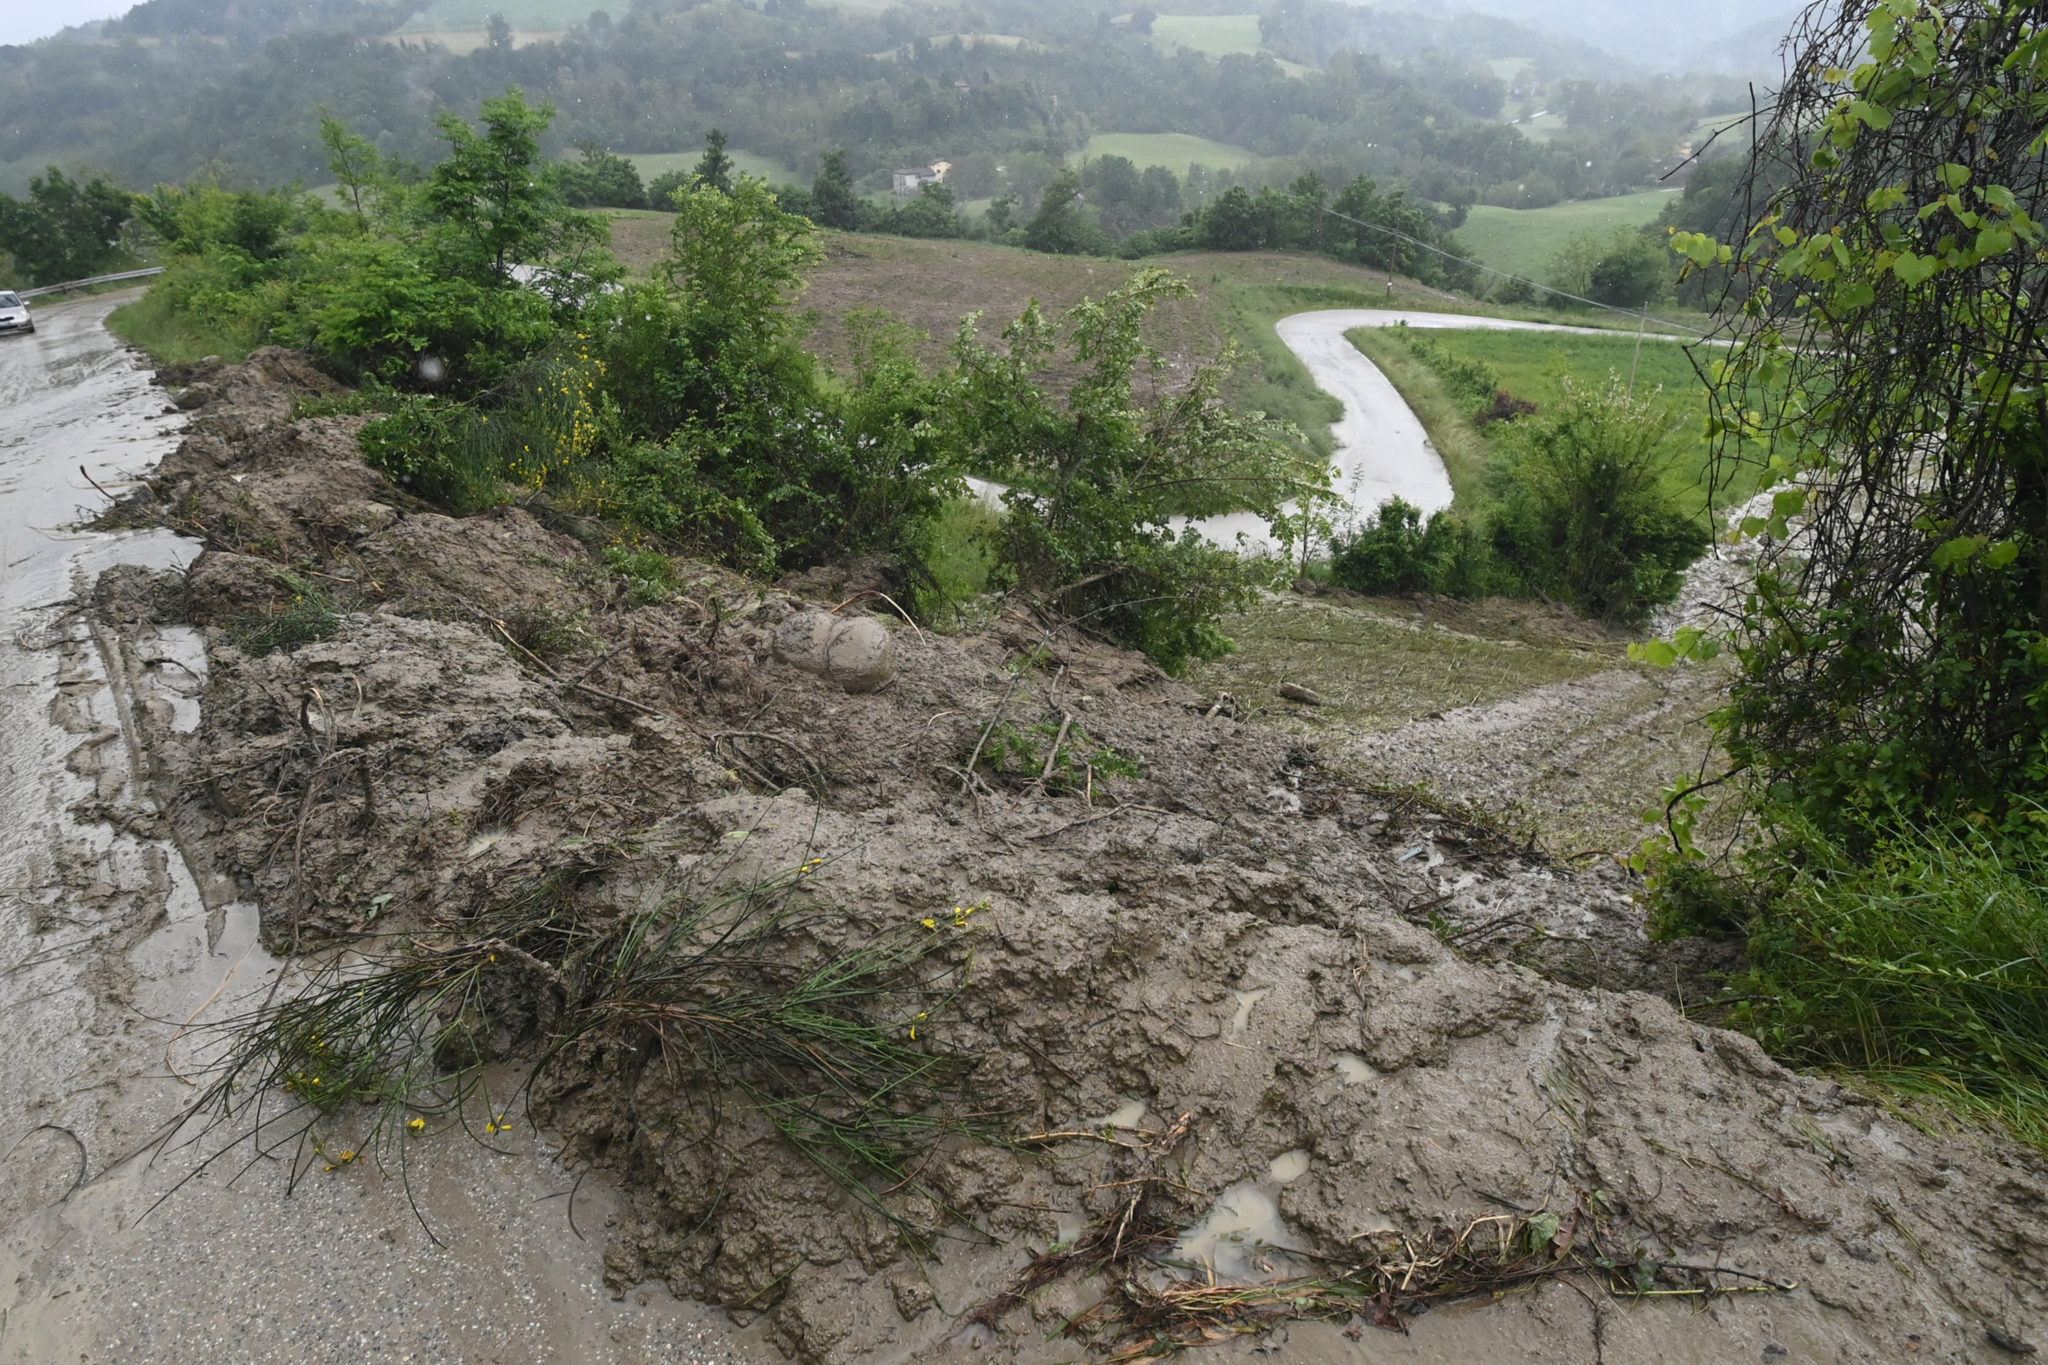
(97,279)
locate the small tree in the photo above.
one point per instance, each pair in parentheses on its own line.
(1060,226)
(65,229)
(1585,513)
(714,168)
(1097,480)
(832,194)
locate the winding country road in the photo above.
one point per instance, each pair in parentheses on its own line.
(1382,450)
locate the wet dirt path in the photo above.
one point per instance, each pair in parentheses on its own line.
(112,964)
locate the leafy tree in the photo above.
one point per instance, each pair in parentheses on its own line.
(832,194)
(928,214)
(1235,223)
(714,168)
(1889,364)
(65,230)
(602,178)
(1096,480)
(492,204)
(1002,212)
(1061,226)
(1635,274)
(358,169)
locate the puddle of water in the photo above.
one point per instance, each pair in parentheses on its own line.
(1247,1001)
(1242,1238)
(1353,1069)
(1289,1167)
(1130,1114)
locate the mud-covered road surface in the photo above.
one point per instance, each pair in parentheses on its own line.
(111,968)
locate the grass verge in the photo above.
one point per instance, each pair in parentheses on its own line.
(171,337)
(1466,453)
(1923,965)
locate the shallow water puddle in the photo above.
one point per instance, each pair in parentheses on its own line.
(1129,1115)
(1247,1001)
(1241,1238)
(1353,1069)
(1289,1167)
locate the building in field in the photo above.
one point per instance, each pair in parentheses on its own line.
(917,177)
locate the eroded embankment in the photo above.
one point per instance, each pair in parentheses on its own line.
(1222,951)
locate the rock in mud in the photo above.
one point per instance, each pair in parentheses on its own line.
(858,653)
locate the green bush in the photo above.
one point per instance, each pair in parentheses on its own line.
(1096,480)
(1397,553)
(1583,513)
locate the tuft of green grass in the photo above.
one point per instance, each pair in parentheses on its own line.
(747,985)
(309,616)
(1923,965)
(965,557)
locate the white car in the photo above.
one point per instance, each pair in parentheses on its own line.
(14,315)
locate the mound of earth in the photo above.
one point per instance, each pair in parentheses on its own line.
(1225,1001)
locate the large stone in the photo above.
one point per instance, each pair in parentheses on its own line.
(800,641)
(858,653)
(861,655)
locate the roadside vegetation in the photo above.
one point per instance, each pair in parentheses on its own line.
(1591,496)
(510,359)
(1885,733)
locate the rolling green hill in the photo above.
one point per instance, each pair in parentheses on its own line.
(1522,241)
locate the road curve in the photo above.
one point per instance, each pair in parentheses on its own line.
(1382,450)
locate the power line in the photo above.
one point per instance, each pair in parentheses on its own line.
(1548,289)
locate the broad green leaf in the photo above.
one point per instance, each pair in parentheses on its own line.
(2001,554)
(1994,241)
(1788,502)
(1954,175)
(1958,551)
(1873,115)
(1912,269)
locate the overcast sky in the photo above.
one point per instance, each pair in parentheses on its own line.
(24,21)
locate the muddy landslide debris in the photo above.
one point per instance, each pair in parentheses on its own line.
(1210,934)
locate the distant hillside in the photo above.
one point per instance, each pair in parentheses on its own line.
(1737,36)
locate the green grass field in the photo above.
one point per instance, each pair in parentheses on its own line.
(1175,151)
(653,164)
(1535,366)
(1522,241)
(455,16)
(1212,35)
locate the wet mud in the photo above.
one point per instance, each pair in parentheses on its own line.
(116,962)
(1231,963)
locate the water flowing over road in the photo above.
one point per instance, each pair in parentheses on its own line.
(114,959)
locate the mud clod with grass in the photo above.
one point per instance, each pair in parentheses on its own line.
(964,1013)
